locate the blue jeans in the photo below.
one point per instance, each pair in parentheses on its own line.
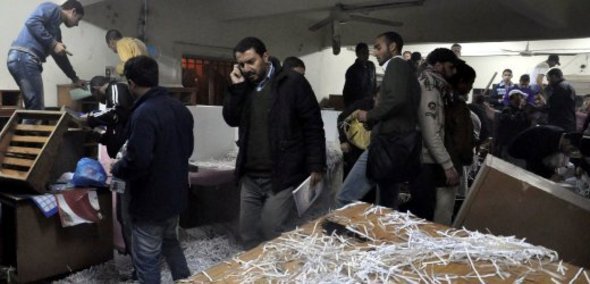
(357,184)
(151,240)
(26,70)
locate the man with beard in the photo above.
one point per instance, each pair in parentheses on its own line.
(395,113)
(439,179)
(39,38)
(281,139)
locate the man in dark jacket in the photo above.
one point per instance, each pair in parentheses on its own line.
(561,101)
(155,166)
(545,148)
(39,38)
(281,138)
(395,113)
(118,101)
(360,77)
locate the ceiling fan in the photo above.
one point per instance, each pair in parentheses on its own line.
(529,52)
(341,13)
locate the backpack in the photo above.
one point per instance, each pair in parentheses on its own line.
(459,137)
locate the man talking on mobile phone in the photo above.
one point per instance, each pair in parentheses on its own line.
(281,139)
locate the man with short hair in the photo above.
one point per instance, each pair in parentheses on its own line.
(295,64)
(155,168)
(126,47)
(407,55)
(394,114)
(501,89)
(281,139)
(39,38)
(538,74)
(456,48)
(360,77)
(118,101)
(561,101)
(438,167)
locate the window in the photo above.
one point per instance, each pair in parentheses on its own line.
(210,76)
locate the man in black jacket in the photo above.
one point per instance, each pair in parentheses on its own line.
(360,77)
(545,148)
(155,166)
(561,101)
(281,138)
(118,101)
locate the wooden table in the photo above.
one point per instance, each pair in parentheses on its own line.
(231,271)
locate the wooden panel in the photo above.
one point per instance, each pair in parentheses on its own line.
(23,150)
(30,139)
(17,162)
(510,201)
(32,127)
(42,248)
(13,173)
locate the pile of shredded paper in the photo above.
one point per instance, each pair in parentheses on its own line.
(415,256)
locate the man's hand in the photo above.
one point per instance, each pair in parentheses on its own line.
(78,83)
(452,176)
(316,177)
(59,48)
(361,115)
(345,147)
(236,75)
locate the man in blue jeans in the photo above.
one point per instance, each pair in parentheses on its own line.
(39,38)
(155,167)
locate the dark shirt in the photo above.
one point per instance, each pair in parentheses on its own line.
(534,144)
(155,166)
(119,102)
(561,105)
(511,121)
(295,130)
(360,81)
(258,161)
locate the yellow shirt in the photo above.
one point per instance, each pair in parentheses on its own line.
(127,48)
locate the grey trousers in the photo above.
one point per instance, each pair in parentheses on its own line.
(445,204)
(263,213)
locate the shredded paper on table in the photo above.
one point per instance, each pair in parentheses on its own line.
(417,256)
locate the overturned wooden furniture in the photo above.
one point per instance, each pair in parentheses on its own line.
(28,151)
(507,200)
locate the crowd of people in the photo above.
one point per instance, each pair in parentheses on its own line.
(423,133)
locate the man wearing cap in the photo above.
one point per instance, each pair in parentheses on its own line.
(561,101)
(540,70)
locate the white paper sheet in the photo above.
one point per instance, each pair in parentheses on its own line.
(305,195)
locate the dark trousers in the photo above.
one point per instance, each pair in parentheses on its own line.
(423,191)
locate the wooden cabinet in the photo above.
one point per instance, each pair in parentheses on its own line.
(37,247)
(10,100)
(64,99)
